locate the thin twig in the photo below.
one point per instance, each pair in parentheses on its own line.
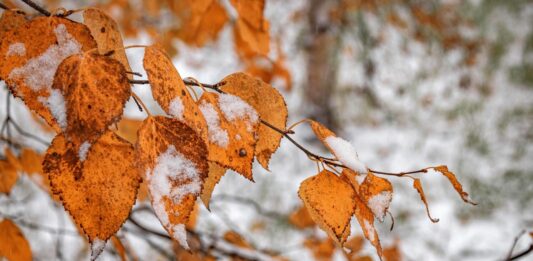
(37,7)
(4,6)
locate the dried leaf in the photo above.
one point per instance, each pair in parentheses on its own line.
(215,174)
(8,176)
(301,219)
(203,21)
(107,35)
(106,180)
(127,129)
(322,249)
(170,91)
(11,20)
(174,159)
(456,185)
(376,193)
(329,201)
(354,244)
(193,218)
(96,89)
(251,11)
(270,105)
(28,63)
(349,176)
(231,141)
(418,186)
(392,253)
(250,41)
(236,239)
(13,244)
(365,217)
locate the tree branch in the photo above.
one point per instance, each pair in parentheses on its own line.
(37,7)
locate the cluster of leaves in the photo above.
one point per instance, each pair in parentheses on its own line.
(76,77)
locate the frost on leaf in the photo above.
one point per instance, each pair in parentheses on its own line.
(13,244)
(174,160)
(456,185)
(30,77)
(270,105)
(330,203)
(216,172)
(170,91)
(106,180)
(342,149)
(96,89)
(231,142)
(376,192)
(418,186)
(106,34)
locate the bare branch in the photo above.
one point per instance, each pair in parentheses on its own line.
(37,7)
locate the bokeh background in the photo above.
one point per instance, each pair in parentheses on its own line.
(410,83)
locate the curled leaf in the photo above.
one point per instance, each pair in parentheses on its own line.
(418,186)
(377,193)
(365,217)
(270,105)
(456,185)
(330,203)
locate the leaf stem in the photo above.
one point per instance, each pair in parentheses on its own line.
(137,99)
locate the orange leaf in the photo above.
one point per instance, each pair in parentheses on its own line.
(30,56)
(418,186)
(365,217)
(392,253)
(13,244)
(127,129)
(106,180)
(329,201)
(354,244)
(8,176)
(349,176)
(170,91)
(236,239)
(11,20)
(270,105)
(250,11)
(107,35)
(215,174)
(301,219)
(174,159)
(231,126)
(119,247)
(376,193)
(250,41)
(96,89)
(203,21)
(456,185)
(321,249)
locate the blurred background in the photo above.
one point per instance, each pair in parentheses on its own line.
(410,83)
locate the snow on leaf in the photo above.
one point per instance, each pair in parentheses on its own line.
(55,103)
(30,77)
(96,89)
(376,192)
(365,217)
(234,108)
(174,159)
(270,105)
(238,154)
(215,174)
(16,49)
(456,185)
(329,200)
(418,186)
(106,180)
(97,247)
(170,91)
(106,34)
(13,244)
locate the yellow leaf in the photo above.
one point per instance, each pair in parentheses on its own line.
(107,35)
(13,244)
(270,105)
(376,193)
(96,89)
(215,174)
(30,55)
(169,90)
(174,159)
(106,180)
(231,141)
(456,185)
(330,203)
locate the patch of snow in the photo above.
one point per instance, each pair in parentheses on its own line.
(237,137)
(379,204)
(56,104)
(16,49)
(176,108)
(180,234)
(346,154)
(172,167)
(217,135)
(97,246)
(234,108)
(370,230)
(82,152)
(38,72)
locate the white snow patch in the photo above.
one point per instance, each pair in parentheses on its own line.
(16,49)
(379,204)
(97,246)
(38,72)
(234,108)
(346,154)
(217,135)
(84,149)
(171,167)
(56,104)
(237,137)
(176,108)
(180,234)
(370,230)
